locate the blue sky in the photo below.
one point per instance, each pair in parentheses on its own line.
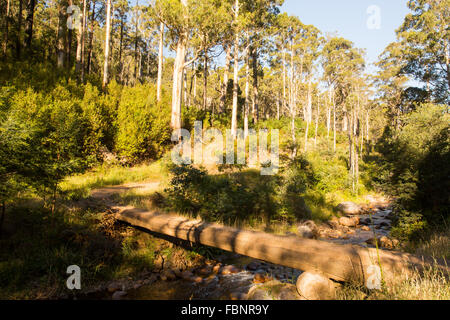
(349,19)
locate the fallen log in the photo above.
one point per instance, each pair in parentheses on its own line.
(334,261)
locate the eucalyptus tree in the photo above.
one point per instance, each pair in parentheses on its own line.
(260,21)
(424,38)
(391,83)
(343,66)
(107,44)
(79,64)
(185,19)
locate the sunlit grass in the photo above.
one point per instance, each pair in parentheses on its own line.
(431,284)
(80,186)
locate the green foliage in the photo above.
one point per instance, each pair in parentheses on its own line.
(242,196)
(413,167)
(143,124)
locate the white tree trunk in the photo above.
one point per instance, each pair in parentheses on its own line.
(247,89)
(178,70)
(160,61)
(80,40)
(107,40)
(178,82)
(236,75)
(223,94)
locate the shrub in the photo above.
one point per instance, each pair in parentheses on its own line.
(143,124)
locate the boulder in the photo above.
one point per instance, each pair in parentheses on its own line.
(186,275)
(196,279)
(274,290)
(168,275)
(252,266)
(229,270)
(258,293)
(261,278)
(119,295)
(204,271)
(305,232)
(383,242)
(216,268)
(349,208)
(349,222)
(313,286)
(289,292)
(113,287)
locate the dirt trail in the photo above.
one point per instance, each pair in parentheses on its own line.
(106,194)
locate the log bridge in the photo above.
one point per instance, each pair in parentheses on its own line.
(338,262)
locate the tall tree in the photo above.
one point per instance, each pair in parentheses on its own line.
(5,36)
(107,44)
(160,61)
(425,40)
(29,23)
(61,33)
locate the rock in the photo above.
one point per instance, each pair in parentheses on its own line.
(137,286)
(365,221)
(334,222)
(211,278)
(204,271)
(168,275)
(113,287)
(186,275)
(313,286)
(386,242)
(349,208)
(177,272)
(334,234)
(349,222)
(258,293)
(305,232)
(383,242)
(229,270)
(371,241)
(308,229)
(261,278)
(153,277)
(289,292)
(395,243)
(252,266)
(365,228)
(216,268)
(196,279)
(119,295)
(274,290)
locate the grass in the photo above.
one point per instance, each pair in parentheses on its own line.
(37,247)
(79,186)
(431,284)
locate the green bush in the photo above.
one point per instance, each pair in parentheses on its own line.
(143,124)
(244,196)
(413,167)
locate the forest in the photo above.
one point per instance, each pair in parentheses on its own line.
(91,92)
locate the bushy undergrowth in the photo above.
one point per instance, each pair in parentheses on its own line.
(412,166)
(243,196)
